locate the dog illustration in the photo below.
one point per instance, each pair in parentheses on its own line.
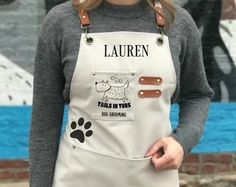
(112,92)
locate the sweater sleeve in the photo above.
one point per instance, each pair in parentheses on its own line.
(48,105)
(195,93)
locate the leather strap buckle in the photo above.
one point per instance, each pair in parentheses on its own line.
(85,25)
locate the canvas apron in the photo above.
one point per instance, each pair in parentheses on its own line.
(120,102)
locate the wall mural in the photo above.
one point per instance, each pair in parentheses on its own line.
(216,20)
(6,2)
(16,84)
(20,22)
(51,3)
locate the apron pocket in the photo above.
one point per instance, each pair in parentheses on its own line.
(93,169)
(113,95)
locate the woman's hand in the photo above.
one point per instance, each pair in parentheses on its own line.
(166,154)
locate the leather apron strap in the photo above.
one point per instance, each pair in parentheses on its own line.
(160,21)
(84,18)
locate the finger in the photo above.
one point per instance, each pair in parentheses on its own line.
(157,155)
(159,162)
(170,165)
(160,152)
(167,166)
(154,148)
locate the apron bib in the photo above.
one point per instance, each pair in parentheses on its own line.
(120,101)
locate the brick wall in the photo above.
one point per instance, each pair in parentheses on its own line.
(13,170)
(209,163)
(193,164)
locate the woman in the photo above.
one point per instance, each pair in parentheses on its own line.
(119,66)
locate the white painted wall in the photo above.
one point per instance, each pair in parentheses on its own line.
(16,84)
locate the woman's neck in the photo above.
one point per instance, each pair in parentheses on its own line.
(138,9)
(123,2)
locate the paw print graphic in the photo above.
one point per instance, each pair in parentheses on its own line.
(78,133)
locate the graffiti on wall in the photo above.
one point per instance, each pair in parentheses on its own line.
(19,27)
(18,39)
(51,3)
(216,20)
(16,84)
(6,2)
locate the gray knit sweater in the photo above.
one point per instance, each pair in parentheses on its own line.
(55,60)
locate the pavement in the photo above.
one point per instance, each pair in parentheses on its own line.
(227,179)
(15,184)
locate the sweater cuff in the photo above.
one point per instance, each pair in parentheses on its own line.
(182,142)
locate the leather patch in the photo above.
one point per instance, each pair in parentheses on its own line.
(149,93)
(84,18)
(150,80)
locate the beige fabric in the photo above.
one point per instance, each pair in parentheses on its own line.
(119,125)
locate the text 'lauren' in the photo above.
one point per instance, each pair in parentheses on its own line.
(126,51)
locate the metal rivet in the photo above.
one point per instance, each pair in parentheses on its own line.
(159,80)
(141,93)
(89,40)
(158,92)
(160,41)
(83,17)
(142,79)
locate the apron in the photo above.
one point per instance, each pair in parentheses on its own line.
(120,101)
